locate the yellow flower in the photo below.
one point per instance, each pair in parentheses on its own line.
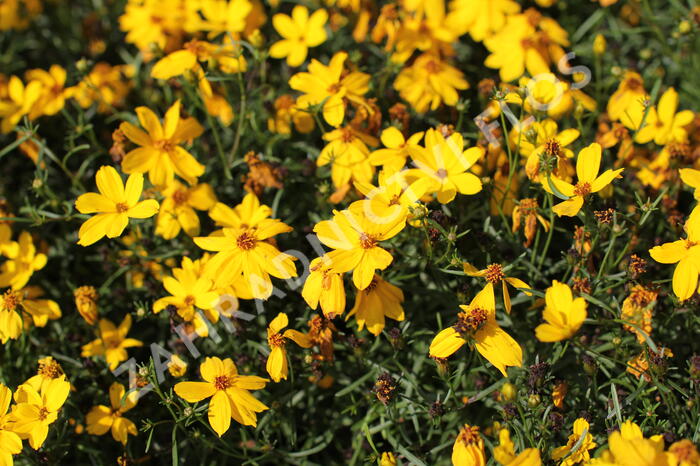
(286,113)
(581,454)
(106,84)
(53,96)
(529,42)
(347,153)
(563,313)
(160,153)
(244,250)
(23,261)
(35,411)
(476,324)
(324,287)
(685,453)
(599,44)
(114,205)
(559,394)
(355,235)
(547,141)
(177,211)
(628,447)
(86,302)
(10,442)
(468,449)
(494,275)
(152,22)
(176,366)
(328,85)
(685,252)
(229,394)
(49,369)
(630,90)
(394,190)
(589,181)
(429,82)
(111,342)
(248,214)
(481,18)
(393,158)
(223,16)
(387,459)
(13,302)
(379,300)
(188,290)
(299,32)
(277,360)
(444,162)
(504,453)
(661,124)
(102,418)
(20,101)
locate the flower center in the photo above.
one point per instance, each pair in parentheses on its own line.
(275,340)
(367,242)
(222,382)
(347,135)
(582,189)
(470,321)
(121,208)
(180,196)
(189,300)
(333,88)
(552,148)
(164,145)
(433,67)
(246,241)
(43,413)
(494,273)
(469,435)
(441,173)
(11,300)
(50,369)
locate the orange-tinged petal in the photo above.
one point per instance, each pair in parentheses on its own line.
(276,364)
(279,322)
(150,122)
(135,135)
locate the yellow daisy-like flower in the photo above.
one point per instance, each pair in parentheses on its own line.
(10,442)
(328,84)
(114,205)
(661,124)
(379,300)
(355,235)
(177,211)
(23,261)
(581,427)
(160,153)
(102,419)
(324,287)
(476,324)
(276,339)
(229,394)
(468,449)
(481,18)
(299,32)
(393,157)
(563,313)
(494,275)
(35,411)
(685,252)
(445,163)
(629,447)
(589,181)
(111,342)
(20,101)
